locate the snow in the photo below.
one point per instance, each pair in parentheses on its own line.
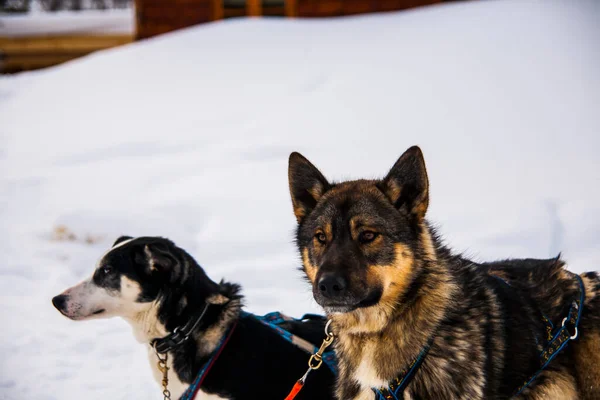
(187,136)
(88,22)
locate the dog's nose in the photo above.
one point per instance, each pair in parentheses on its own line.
(332,286)
(59,302)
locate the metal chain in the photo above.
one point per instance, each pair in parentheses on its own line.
(163,367)
(315,361)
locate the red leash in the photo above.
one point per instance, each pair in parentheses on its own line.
(297,387)
(314,362)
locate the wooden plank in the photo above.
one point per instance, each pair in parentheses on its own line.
(25,53)
(23,63)
(329,7)
(218,9)
(273,11)
(350,7)
(72,44)
(160,16)
(291,8)
(389,5)
(319,8)
(393,5)
(254,8)
(147,31)
(234,12)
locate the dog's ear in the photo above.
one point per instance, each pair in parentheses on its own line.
(407,185)
(307,185)
(160,259)
(121,239)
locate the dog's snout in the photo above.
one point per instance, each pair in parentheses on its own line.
(332,286)
(59,302)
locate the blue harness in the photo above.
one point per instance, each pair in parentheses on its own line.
(396,388)
(273,320)
(191,391)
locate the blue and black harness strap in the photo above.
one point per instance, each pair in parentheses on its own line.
(395,388)
(272,320)
(275,319)
(564,334)
(191,391)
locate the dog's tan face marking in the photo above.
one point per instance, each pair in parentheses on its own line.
(394,280)
(396,277)
(322,236)
(309,268)
(361,226)
(328,231)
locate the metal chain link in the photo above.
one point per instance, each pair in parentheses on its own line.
(163,367)
(315,361)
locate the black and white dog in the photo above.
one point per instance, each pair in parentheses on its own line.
(160,289)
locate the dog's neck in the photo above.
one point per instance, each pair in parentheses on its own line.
(146,325)
(185,361)
(158,319)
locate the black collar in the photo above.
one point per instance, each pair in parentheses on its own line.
(179,335)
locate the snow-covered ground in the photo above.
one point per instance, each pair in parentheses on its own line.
(88,22)
(187,136)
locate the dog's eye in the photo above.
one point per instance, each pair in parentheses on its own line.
(107,269)
(367,236)
(321,238)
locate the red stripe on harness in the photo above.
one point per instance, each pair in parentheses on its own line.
(214,358)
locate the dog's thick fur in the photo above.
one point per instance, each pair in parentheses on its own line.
(390,286)
(156,287)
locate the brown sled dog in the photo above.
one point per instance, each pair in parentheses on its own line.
(415,321)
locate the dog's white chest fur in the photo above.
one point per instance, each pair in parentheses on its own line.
(176,387)
(366,374)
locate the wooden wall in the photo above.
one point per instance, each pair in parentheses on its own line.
(159,16)
(331,8)
(27,53)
